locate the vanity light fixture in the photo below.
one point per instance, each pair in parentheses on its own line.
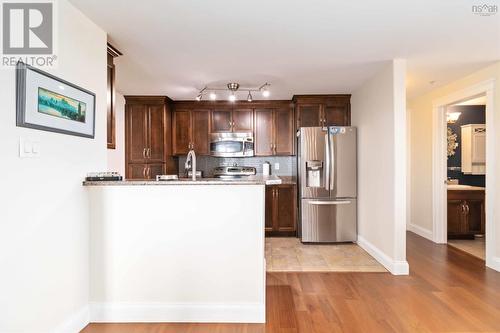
(234,88)
(452,117)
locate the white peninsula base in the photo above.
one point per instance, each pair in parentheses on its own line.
(177,253)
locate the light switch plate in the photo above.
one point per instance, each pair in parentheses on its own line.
(29,148)
(276,166)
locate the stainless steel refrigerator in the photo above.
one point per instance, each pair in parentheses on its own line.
(327,184)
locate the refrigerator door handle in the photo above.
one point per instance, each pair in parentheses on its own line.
(319,202)
(326,170)
(333,157)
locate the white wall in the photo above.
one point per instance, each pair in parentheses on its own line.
(44,230)
(116,157)
(203,261)
(379,111)
(421,150)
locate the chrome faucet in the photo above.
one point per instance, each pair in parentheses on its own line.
(191,164)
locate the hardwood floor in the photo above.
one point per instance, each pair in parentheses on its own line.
(447,291)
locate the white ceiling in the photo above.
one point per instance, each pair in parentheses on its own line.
(481,100)
(175,48)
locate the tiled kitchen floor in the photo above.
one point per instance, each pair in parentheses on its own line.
(288,254)
(475,247)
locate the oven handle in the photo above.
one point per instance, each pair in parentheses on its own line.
(319,202)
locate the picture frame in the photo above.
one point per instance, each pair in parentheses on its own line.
(48,103)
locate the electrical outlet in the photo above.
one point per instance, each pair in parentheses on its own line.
(276,166)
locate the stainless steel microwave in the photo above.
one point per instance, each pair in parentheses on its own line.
(231,144)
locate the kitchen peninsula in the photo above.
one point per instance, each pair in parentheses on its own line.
(177,251)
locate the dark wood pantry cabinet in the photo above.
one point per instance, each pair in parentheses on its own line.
(147,137)
(281,210)
(322,110)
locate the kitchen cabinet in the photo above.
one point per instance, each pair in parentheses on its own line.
(111,97)
(466,214)
(191,130)
(232,120)
(274,132)
(147,137)
(322,110)
(281,210)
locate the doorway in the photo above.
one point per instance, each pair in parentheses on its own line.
(466,175)
(443,109)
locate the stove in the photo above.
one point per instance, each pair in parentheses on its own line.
(233,171)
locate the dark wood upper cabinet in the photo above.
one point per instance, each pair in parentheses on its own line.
(309,115)
(274,132)
(222,121)
(232,120)
(200,120)
(284,132)
(110,97)
(148,150)
(181,132)
(191,130)
(242,120)
(322,110)
(264,132)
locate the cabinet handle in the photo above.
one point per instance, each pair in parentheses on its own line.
(467,209)
(149,173)
(144,153)
(148,153)
(144,172)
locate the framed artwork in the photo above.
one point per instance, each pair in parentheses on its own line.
(48,103)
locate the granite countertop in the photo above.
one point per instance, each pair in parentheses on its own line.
(253,180)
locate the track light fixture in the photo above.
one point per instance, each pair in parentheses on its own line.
(233,88)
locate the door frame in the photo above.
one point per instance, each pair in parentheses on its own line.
(439,164)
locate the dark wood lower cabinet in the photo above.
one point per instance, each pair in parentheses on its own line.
(281,210)
(466,214)
(145,170)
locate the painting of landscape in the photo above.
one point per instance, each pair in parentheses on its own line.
(61,106)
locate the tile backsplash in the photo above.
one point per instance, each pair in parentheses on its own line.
(287,164)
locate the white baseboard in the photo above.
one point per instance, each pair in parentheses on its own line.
(168,312)
(75,323)
(494,263)
(426,233)
(396,267)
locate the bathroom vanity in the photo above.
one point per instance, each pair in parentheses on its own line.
(466,213)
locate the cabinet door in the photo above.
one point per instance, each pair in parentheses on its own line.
(474,211)
(181,134)
(155,169)
(221,121)
(286,208)
(200,120)
(456,225)
(283,132)
(242,120)
(264,132)
(137,171)
(156,126)
(137,133)
(336,115)
(270,205)
(309,115)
